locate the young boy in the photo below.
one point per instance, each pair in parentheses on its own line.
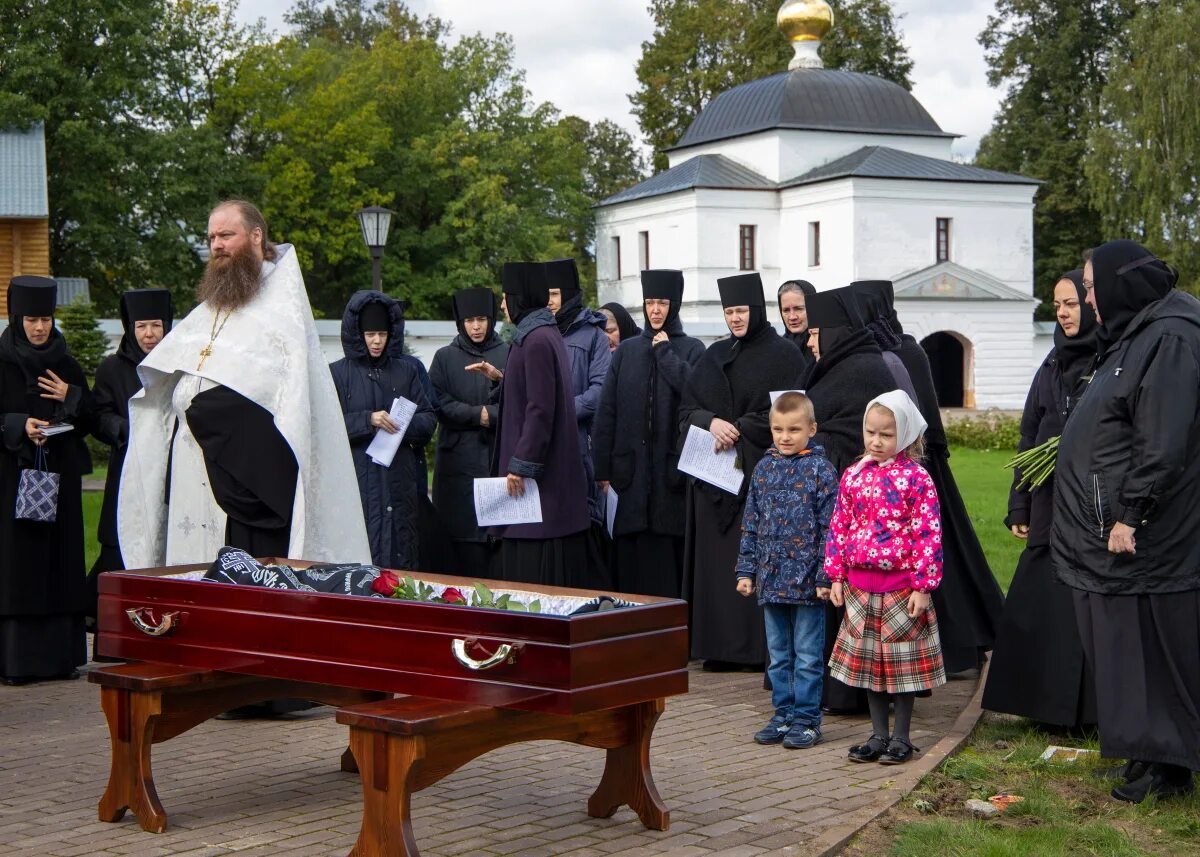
(791,498)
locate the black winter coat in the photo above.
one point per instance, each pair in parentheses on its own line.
(636,432)
(464,447)
(389,495)
(840,386)
(1044,416)
(1130,452)
(116,383)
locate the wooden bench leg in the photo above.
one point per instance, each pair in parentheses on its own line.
(387,766)
(627,778)
(131,721)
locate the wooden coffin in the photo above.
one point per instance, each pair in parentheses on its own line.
(554,664)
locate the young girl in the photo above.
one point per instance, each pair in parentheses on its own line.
(885,539)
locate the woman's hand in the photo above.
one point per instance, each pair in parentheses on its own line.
(1121,539)
(483,417)
(516,485)
(660,338)
(836,596)
(745,586)
(1021,531)
(725,433)
(383,420)
(485,368)
(918,603)
(53,387)
(33,429)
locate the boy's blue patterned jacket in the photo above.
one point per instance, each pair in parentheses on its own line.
(788,507)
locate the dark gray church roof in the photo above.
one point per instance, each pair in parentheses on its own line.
(702,171)
(883,163)
(815,99)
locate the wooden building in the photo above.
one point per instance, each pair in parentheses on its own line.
(24,208)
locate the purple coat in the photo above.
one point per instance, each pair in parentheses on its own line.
(538,433)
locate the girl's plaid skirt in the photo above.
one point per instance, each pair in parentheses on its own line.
(880,647)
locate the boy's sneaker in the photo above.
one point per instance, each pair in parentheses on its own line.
(774,732)
(802,737)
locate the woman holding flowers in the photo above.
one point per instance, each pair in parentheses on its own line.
(1038,669)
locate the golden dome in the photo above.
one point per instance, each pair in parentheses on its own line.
(805,20)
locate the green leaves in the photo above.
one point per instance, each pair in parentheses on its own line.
(1035,465)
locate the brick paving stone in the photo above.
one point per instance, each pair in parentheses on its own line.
(273,787)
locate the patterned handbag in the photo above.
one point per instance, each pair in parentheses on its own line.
(37,492)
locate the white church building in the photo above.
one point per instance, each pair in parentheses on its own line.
(834,176)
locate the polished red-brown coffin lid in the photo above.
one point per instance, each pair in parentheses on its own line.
(565,664)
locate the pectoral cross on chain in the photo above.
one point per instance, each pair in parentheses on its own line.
(205,353)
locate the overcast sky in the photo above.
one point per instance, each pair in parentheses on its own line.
(580,54)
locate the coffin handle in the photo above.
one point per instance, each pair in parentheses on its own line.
(505,653)
(168,623)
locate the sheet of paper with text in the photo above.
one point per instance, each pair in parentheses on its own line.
(716,468)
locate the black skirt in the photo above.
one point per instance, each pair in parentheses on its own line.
(726,627)
(1145,653)
(37,647)
(546,562)
(968,601)
(647,563)
(1038,669)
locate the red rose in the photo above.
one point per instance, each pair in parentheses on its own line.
(450,595)
(386,583)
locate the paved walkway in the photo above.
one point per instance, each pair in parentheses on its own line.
(274,788)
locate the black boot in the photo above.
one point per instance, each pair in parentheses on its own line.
(1160,780)
(1130,771)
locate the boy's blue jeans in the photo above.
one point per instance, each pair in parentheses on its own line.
(796,647)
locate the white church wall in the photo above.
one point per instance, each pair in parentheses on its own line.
(831,205)
(673,226)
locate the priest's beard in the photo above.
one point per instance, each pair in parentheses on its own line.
(230,282)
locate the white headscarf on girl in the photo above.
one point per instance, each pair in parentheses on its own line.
(910,425)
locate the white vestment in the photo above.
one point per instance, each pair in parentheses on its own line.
(269,352)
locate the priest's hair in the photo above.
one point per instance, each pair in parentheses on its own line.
(252,219)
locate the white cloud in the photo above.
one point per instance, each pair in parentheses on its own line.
(580,54)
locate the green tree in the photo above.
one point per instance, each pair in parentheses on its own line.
(80,328)
(701,48)
(1143,160)
(1055,59)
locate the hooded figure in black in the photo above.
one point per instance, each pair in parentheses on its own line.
(969,601)
(146,316)
(848,374)
(626,327)
(1126,515)
(875,306)
(728,394)
(635,442)
(1037,667)
(367,386)
(468,420)
(794,312)
(42,583)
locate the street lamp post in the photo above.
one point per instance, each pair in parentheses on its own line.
(375,222)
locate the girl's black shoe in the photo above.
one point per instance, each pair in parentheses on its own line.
(899,751)
(870,751)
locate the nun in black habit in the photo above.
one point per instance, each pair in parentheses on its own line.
(969,601)
(793,296)
(366,385)
(146,319)
(621,325)
(42,575)
(728,394)
(875,307)
(468,418)
(635,445)
(1038,668)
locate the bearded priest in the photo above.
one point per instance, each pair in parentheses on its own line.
(237,437)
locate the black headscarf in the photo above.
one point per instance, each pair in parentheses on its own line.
(876,303)
(562,274)
(626,326)
(36,297)
(526,293)
(663,284)
(746,290)
(361,303)
(842,330)
(1128,278)
(142,305)
(808,290)
(472,303)
(1075,354)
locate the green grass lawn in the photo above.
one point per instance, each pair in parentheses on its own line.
(984,481)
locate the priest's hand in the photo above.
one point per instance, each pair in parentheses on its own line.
(726,434)
(33,429)
(603,484)
(383,420)
(1121,539)
(836,597)
(516,485)
(484,368)
(53,387)
(1021,531)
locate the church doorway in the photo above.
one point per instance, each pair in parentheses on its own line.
(951,359)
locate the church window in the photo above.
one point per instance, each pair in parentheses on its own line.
(616,250)
(943,239)
(746,247)
(814,244)
(644,251)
